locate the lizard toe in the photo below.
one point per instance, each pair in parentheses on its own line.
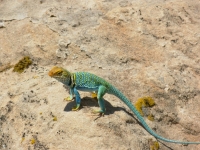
(75,108)
(68,98)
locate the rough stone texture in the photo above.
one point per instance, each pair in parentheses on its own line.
(144,47)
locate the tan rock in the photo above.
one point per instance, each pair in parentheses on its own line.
(144,48)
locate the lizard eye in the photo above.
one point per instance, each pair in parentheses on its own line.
(59,73)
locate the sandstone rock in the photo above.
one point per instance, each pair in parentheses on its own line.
(2,24)
(144,48)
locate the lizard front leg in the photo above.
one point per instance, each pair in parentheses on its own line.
(70,98)
(77,98)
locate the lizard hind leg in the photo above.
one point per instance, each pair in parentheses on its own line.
(101,93)
(102,106)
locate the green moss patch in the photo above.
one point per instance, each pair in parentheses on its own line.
(23,64)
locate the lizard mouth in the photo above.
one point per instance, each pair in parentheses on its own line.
(50,74)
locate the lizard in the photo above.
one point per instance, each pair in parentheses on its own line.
(85,81)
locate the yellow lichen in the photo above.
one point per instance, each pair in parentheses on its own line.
(33,141)
(35,77)
(144,102)
(151,117)
(22,64)
(23,138)
(155,146)
(54,118)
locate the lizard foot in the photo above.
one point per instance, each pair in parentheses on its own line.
(75,108)
(69,98)
(99,112)
(94,95)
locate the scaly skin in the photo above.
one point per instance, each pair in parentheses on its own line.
(85,81)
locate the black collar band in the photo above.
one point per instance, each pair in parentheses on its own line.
(70,82)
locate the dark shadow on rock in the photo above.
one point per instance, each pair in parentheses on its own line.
(85,101)
(69,105)
(93,102)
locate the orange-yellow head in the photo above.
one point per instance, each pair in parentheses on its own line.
(60,74)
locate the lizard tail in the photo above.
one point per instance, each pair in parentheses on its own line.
(118,94)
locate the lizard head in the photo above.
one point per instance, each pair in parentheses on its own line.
(60,74)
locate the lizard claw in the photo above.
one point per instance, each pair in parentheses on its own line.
(69,98)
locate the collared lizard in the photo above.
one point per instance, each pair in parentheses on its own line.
(85,81)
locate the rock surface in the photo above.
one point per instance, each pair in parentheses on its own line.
(143,47)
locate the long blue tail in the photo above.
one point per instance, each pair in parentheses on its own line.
(118,94)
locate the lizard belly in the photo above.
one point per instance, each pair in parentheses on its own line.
(86,89)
